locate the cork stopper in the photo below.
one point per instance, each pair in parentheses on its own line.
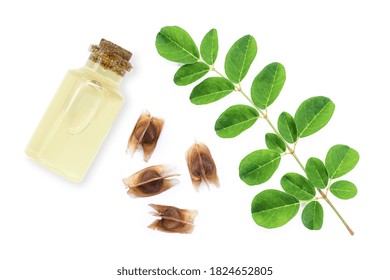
(111,57)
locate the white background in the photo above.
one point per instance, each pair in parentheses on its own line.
(53,229)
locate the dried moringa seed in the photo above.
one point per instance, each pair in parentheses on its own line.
(145,134)
(150,181)
(173,219)
(201,165)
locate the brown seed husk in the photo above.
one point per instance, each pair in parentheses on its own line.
(145,134)
(174,213)
(201,165)
(150,181)
(173,219)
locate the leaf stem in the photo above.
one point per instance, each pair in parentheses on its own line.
(295,144)
(337,213)
(216,71)
(291,150)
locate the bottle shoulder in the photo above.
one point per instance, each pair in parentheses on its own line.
(86,75)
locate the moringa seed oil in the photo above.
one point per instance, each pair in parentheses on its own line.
(81,113)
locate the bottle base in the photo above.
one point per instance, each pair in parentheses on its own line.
(52,167)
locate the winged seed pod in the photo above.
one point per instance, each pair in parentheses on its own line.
(173,219)
(150,181)
(201,165)
(145,134)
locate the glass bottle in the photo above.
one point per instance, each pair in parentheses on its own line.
(81,113)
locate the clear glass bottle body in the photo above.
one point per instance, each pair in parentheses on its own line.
(77,121)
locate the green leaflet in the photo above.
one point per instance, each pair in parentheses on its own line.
(340,159)
(235,120)
(239,58)
(343,189)
(298,186)
(210,90)
(175,44)
(316,173)
(313,114)
(268,84)
(273,208)
(190,73)
(275,143)
(209,47)
(259,166)
(313,215)
(287,127)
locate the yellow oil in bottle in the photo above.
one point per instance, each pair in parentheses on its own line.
(81,113)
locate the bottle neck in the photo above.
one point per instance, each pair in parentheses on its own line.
(98,68)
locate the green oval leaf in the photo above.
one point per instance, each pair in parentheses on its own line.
(275,143)
(313,114)
(316,173)
(343,189)
(259,166)
(273,208)
(209,47)
(235,120)
(239,58)
(298,186)
(340,159)
(313,215)
(190,73)
(268,84)
(175,44)
(210,90)
(287,127)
